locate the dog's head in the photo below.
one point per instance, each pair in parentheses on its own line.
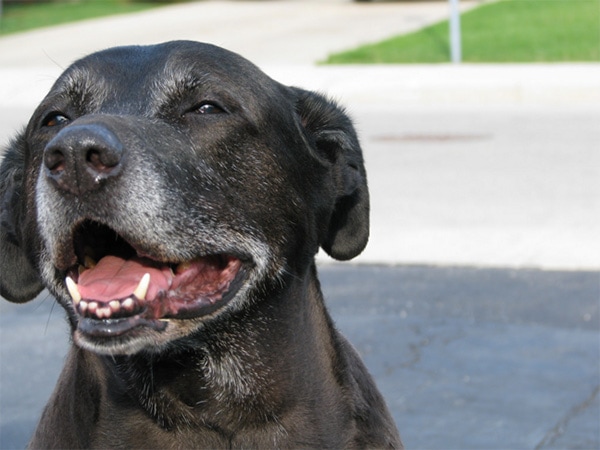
(157,187)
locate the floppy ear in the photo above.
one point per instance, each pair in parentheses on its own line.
(334,136)
(19,282)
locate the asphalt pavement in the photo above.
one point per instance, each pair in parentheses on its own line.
(476,303)
(467,358)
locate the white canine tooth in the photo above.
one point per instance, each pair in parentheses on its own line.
(142,289)
(128,304)
(73,290)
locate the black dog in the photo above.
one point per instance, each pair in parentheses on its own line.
(172,198)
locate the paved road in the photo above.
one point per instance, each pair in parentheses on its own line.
(469,166)
(467,358)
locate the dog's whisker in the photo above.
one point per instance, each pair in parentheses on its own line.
(50,313)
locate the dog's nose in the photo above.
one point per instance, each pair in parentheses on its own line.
(80,158)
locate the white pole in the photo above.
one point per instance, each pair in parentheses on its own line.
(455,45)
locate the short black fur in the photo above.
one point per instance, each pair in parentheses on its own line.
(185,152)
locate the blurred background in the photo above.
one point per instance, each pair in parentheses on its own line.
(476,303)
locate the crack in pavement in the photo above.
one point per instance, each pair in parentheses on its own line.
(560,428)
(425,341)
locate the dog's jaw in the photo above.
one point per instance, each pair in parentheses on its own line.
(153,311)
(131,300)
(152,321)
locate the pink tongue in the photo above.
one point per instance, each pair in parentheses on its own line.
(114,278)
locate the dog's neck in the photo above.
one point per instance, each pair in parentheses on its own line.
(251,370)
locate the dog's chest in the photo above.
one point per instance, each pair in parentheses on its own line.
(129,428)
(135,430)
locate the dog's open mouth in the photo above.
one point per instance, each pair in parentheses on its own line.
(115,290)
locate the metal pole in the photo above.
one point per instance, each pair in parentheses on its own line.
(455,44)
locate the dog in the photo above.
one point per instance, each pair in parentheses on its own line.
(172,199)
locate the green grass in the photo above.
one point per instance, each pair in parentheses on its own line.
(504,31)
(23,17)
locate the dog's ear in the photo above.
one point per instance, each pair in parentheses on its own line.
(335,139)
(19,282)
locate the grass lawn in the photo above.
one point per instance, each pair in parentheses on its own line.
(503,31)
(23,17)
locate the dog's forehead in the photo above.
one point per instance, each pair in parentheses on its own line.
(143,73)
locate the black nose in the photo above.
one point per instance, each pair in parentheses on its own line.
(81,158)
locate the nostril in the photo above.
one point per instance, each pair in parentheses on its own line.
(54,160)
(103,160)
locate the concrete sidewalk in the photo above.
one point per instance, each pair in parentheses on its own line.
(284,32)
(286,38)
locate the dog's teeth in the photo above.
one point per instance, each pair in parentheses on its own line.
(73,290)
(100,313)
(104,312)
(128,304)
(142,289)
(89,262)
(83,306)
(115,305)
(92,307)
(81,269)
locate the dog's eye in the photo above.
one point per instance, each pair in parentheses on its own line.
(208,108)
(55,119)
